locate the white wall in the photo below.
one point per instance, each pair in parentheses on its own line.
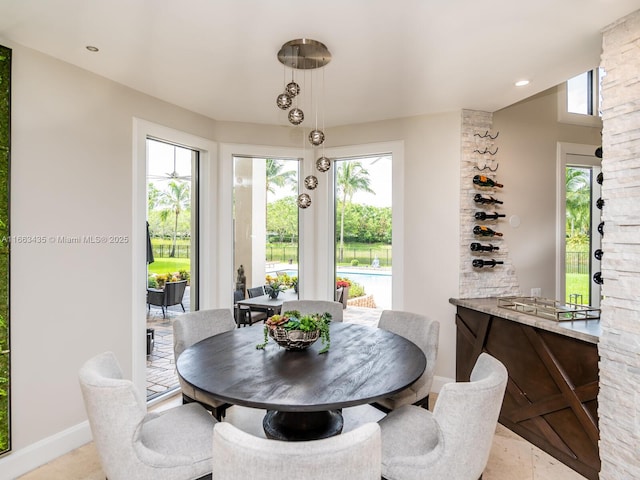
(528,140)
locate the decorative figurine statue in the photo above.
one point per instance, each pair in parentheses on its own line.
(241,281)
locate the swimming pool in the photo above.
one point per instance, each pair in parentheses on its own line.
(376,283)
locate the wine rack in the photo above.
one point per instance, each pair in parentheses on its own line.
(481,155)
(485,199)
(597,277)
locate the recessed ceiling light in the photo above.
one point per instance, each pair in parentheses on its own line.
(522,83)
(91,48)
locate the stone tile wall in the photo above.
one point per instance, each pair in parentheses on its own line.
(619,346)
(482,282)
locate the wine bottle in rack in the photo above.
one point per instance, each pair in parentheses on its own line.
(486,263)
(483,181)
(486,200)
(488,216)
(599,178)
(598,254)
(478,247)
(485,231)
(601,228)
(597,277)
(600,203)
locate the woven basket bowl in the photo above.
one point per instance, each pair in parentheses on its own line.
(293,339)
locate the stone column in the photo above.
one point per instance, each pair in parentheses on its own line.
(619,346)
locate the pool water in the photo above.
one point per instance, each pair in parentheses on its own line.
(376,283)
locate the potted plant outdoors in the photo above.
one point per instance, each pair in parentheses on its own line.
(345,284)
(294,331)
(274,286)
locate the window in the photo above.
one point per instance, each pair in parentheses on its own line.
(583,93)
(578,220)
(363,229)
(579,99)
(172,202)
(265,218)
(173,259)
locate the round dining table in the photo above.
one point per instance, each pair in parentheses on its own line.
(303,391)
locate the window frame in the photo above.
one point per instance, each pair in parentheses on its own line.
(593,120)
(564,150)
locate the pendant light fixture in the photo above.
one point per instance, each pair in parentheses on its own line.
(307,55)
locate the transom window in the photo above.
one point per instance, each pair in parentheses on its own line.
(583,93)
(579,99)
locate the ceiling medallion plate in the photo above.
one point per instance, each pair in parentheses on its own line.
(304,54)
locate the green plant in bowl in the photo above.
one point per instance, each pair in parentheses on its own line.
(280,326)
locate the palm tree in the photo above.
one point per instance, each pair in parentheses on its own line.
(175,200)
(578,200)
(276,177)
(152,196)
(352,178)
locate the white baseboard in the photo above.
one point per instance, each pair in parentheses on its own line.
(21,461)
(438,382)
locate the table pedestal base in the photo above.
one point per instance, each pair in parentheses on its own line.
(300,426)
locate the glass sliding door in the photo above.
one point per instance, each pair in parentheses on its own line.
(172,260)
(363,228)
(265,219)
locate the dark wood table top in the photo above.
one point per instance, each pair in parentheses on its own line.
(265,301)
(362,365)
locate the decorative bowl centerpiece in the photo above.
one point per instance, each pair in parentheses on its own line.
(294,331)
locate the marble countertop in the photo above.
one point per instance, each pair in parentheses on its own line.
(586,330)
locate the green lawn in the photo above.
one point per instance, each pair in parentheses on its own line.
(169,265)
(578,283)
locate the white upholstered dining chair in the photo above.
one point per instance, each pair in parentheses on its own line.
(171,445)
(315,306)
(354,455)
(189,329)
(454,441)
(424,333)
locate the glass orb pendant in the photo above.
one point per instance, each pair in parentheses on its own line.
(292,89)
(304,200)
(283,101)
(323,164)
(296,116)
(311,182)
(316,137)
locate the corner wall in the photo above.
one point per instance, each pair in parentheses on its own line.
(619,347)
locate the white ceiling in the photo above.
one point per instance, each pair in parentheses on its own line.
(390,59)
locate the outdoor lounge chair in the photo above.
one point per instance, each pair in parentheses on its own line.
(170,295)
